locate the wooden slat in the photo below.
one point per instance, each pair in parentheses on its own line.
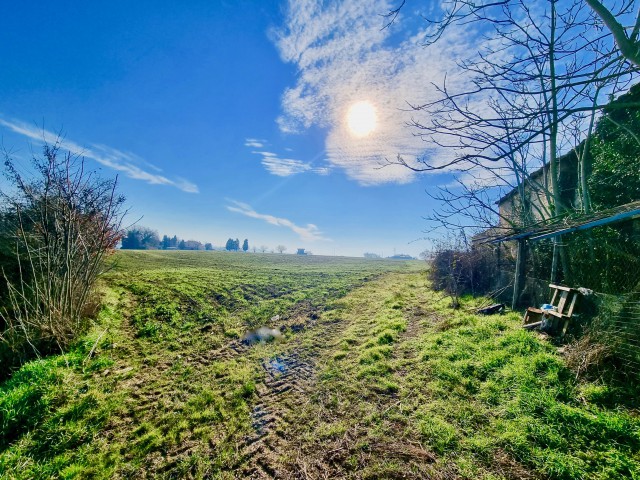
(560,287)
(532,325)
(563,301)
(555,294)
(564,328)
(573,304)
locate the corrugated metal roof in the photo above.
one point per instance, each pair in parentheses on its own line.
(570,223)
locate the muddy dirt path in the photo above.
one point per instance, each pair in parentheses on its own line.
(288,382)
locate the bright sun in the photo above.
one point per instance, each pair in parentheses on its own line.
(362,118)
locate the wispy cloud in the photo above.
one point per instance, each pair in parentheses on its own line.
(309,233)
(343,55)
(285,167)
(254,142)
(125,162)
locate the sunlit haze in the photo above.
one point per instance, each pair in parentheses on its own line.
(362,118)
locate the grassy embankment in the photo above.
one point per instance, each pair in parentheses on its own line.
(376,378)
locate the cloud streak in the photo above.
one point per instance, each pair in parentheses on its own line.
(124,162)
(285,167)
(343,55)
(309,233)
(254,142)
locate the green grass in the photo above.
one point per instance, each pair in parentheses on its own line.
(404,386)
(490,399)
(73,416)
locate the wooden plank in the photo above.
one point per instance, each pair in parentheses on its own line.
(563,301)
(532,325)
(555,294)
(560,287)
(564,328)
(573,304)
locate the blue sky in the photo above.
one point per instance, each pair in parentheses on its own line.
(230,119)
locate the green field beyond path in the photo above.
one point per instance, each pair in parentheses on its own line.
(374,377)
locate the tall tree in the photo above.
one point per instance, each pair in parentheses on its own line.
(245,245)
(535,88)
(542,74)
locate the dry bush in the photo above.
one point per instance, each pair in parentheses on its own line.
(589,356)
(459,269)
(610,345)
(58,226)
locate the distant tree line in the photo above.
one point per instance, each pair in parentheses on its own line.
(234,245)
(142,238)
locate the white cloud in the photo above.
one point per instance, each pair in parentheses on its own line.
(285,167)
(266,154)
(109,157)
(309,233)
(343,55)
(254,142)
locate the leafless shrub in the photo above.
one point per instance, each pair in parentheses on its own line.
(588,356)
(58,226)
(458,268)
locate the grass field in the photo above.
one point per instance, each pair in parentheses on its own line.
(375,377)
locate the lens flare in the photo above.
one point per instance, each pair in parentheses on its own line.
(362,118)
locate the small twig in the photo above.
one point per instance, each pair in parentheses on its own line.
(93,349)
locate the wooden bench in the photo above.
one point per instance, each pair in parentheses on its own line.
(564,299)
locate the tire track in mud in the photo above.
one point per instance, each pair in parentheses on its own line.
(288,380)
(284,384)
(414,318)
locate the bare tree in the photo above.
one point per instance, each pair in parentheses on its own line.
(522,112)
(625,37)
(281,248)
(63,223)
(544,72)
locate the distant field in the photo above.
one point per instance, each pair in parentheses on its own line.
(375,377)
(233,291)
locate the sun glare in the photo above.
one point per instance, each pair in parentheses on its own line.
(362,118)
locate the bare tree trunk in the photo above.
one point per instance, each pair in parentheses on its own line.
(628,45)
